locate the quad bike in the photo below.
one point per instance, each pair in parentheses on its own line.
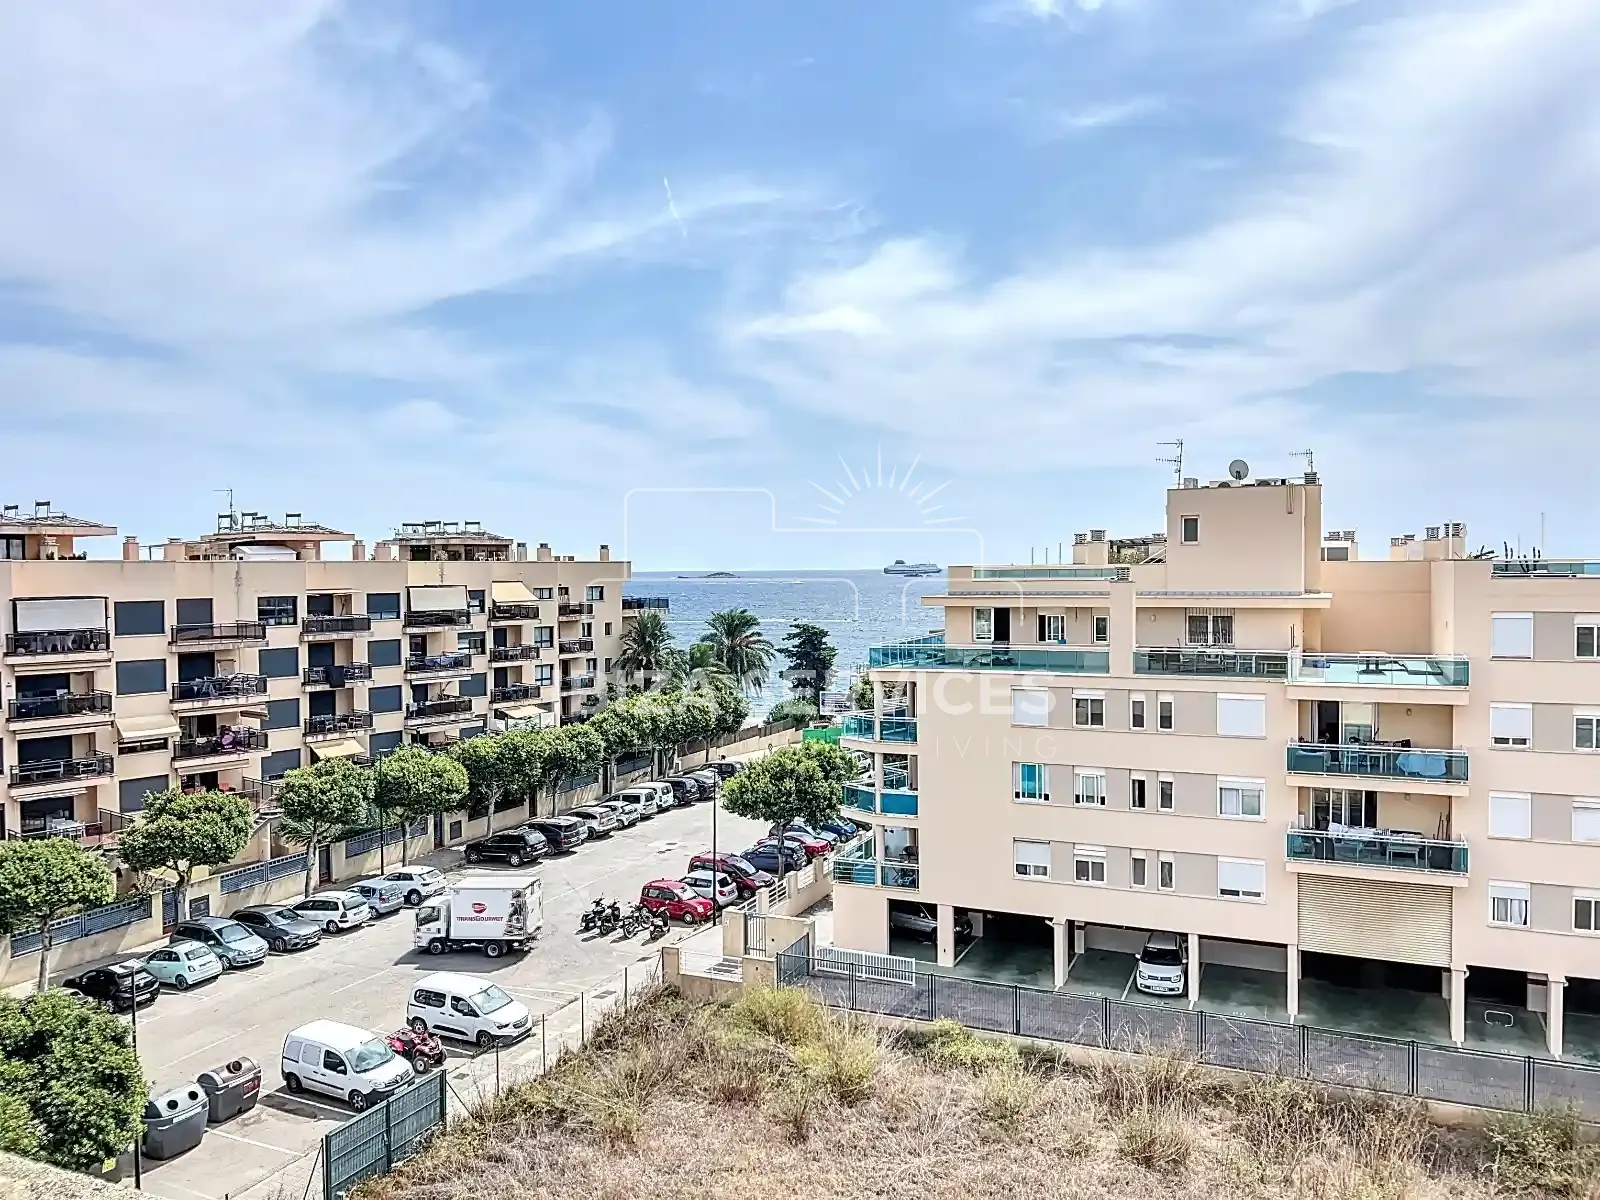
(418,1047)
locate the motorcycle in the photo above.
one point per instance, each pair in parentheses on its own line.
(418,1047)
(659,925)
(610,918)
(636,919)
(595,915)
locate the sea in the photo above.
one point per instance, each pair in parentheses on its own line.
(859,609)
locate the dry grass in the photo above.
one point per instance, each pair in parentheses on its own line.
(773,1096)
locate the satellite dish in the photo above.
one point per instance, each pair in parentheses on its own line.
(1238,468)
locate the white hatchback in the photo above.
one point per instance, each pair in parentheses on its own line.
(335,911)
(700,884)
(419,882)
(468,1007)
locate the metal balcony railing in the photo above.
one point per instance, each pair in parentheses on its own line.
(432,619)
(577,645)
(502,654)
(513,612)
(445,706)
(571,612)
(220,687)
(1378,762)
(67,704)
(59,641)
(455,660)
(1383,848)
(513,692)
(234,739)
(346,623)
(59,770)
(227,631)
(348,672)
(577,683)
(638,603)
(350,722)
(1219,662)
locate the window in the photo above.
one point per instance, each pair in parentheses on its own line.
(1242,798)
(608,628)
(544,636)
(1510,814)
(1164,793)
(591,665)
(1586,731)
(1511,635)
(279,664)
(282,714)
(1031,782)
(595,592)
(1241,716)
(384,653)
(586,629)
(983,624)
(1508,903)
(1137,869)
(1031,860)
(545,674)
(1510,724)
(1102,630)
(608,666)
(1189,530)
(475,600)
(1165,870)
(1241,878)
(1164,712)
(383,606)
(277,610)
(384,699)
(1586,637)
(1209,629)
(1052,628)
(1030,707)
(139,617)
(1586,912)
(1136,711)
(12,547)
(1089,787)
(1089,864)
(137,677)
(1586,820)
(1089,710)
(1136,791)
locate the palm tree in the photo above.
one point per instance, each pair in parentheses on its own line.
(737,643)
(647,647)
(694,669)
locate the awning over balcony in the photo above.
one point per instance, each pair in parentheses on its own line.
(518,712)
(343,748)
(510,593)
(139,729)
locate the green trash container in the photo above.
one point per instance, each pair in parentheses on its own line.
(175,1120)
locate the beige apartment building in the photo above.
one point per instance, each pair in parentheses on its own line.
(1368,772)
(225,661)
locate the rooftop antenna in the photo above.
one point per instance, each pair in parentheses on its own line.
(1311,462)
(1177,458)
(233,521)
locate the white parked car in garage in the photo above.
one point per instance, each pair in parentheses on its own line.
(1163,968)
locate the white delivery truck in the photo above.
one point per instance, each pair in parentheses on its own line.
(496,912)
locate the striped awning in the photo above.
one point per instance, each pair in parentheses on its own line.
(139,729)
(343,748)
(518,712)
(510,592)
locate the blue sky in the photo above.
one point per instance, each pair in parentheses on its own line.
(384,261)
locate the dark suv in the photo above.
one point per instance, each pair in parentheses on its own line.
(684,789)
(725,768)
(561,834)
(514,846)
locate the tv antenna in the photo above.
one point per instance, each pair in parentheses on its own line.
(1176,461)
(1311,462)
(233,517)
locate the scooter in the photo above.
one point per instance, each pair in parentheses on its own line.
(610,918)
(659,926)
(595,914)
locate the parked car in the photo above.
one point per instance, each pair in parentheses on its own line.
(700,882)
(665,797)
(843,826)
(1163,968)
(674,898)
(419,882)
(341,1060)
(383,896)
(710,782)
(766,856)
(235,944)
(647,799)
(726,769)
(811,832)
(600,822)
(624,809)
(685,789)
(280,927)
(561,834)
(807,843)
(182,963)
(467,1007)
(514,846)
(922,921)
(120,985)
(746,876)
(335,911)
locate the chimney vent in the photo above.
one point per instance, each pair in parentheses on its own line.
(605,553)
(130,549)
(543,552)
(1431,533)
(1097,535)
(1079,539)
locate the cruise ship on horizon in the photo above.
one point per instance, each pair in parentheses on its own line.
(901,567)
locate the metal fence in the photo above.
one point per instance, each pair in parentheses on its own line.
(382,1137)
(262,872)
(85,924)
(389,835)
(1480,1078)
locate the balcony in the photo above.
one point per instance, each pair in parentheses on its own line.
(233,742)
(890,802)
(1080,572)
(513,612)
(645,603)
(1379,762)
(859,866)
(571,612)
(65,705)
(97,835)
(934,655)
(337,723)
(507,654)
(889,729)
(340,673)
(62,770)
(577,645)
(1218,662)
(445,708)
(339,626)
(45,643)
(1381,670)
(226,689)
(514,692)
(1567,568)
(228,631)
(577,683)
(438,664)
(1382,849)
(437,618)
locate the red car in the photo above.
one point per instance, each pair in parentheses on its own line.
(814,847)
(748,880)
(674,898)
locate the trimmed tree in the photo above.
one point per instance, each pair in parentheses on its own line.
(492,771)
(810,656)
(802,711)
(70,1081)
(177,833)
(414,782)
(623,731)
(804,782)
(44,879)
(321,803)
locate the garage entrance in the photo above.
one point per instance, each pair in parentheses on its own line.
(1581,1023)
(1374,996)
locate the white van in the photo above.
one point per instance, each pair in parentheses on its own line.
(468,1007)
(665,797)
(341,1060)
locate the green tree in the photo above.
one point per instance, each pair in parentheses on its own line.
(861,698)
(793,782)
(737,644)
(413,782)
(177,832)
(18,1132)
(44,879)
(623,731)
(322,803)
(802,711)
(810,656)
(493,772)
(647,649)
(71,1065)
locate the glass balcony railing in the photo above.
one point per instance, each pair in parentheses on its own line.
(889,729)
(1109,572)
(1221,662)
(856,871)
(894,802)
(936,656)
(861,796)
(1379,762)
(899,875)
(1380,670)
(1383,848)
(1566,567)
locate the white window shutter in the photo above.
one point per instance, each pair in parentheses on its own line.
(1241,876)
(1586,822)
(1512,721)
(1241,716)
(1030,706)
(1511,635)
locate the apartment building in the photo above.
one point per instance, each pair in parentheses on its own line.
(225,661)
(1367,772)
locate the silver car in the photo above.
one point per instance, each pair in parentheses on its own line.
(600,822)
(644,797)
(382,895)
(624,808)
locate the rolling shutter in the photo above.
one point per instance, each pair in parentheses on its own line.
(47,616)
(1368,918)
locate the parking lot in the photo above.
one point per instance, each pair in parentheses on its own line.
(363,977)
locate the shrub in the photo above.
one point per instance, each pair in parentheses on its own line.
(1154,1142)
(1131,1084)
(796,1105)
(1543,1151)
(1007,1096)
(843,1063)
(951,1045)
(784,1014)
